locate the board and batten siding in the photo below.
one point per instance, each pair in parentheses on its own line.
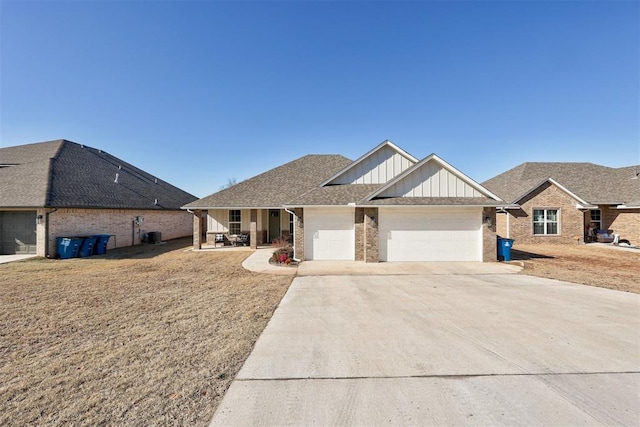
(379,168)
(218,220)
(431,180)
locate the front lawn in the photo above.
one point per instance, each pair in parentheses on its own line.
(149,335)
(590,264)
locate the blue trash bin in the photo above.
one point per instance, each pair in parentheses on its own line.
(68,247)
(100,248)
(86,248)
(504,249)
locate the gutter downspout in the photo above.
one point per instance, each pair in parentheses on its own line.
(294,235)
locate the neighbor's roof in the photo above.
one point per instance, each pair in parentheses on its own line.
(65,174)
(593,183)
(274,188)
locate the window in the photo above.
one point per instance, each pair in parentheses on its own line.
(235,219)
(291,224)
(545,221)
(596,219)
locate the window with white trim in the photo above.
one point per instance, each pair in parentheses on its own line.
(545,222)
(596,219)
(235,221)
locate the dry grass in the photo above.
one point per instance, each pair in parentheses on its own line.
(151,335)
(587,264)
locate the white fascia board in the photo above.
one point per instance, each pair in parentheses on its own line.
(346,205)
(210,208)
(385,143)
(557,184)
(627,207)
(587,206)
(445,165)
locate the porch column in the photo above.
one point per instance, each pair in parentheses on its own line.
(298,234)
(253,229)
(197,229)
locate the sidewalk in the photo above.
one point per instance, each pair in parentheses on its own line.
(258,262)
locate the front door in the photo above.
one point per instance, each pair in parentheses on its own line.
(274,224)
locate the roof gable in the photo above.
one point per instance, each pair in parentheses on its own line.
(378,166)
(433,178)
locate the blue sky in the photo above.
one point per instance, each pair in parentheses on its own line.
(197,92)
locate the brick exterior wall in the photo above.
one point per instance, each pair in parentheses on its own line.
(359,234)
(625,222)
(78,222)
(197,229)
(571,226)
(371,239)
(298,226)
(489,241)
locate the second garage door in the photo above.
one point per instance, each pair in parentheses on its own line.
(430,235)
(329,234)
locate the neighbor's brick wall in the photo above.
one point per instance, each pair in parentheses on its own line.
(489,241)
(625,222)
(79,222)
(547,196)
(501,224)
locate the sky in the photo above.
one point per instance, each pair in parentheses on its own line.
(200,92)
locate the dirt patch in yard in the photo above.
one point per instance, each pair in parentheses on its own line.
(587,264)
(149,335)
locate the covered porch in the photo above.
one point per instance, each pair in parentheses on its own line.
(240,227)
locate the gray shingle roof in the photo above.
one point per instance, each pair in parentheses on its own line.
(593,183)
(334,195)
(65,174)
(277,186)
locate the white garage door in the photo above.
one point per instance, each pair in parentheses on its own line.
(430,235)
(329,234)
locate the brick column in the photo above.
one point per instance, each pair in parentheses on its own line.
(197,229)
(298,229)
(489,235)
(371,239)
(253,229)
(359,234)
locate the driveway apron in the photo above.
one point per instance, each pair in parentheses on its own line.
(442,349)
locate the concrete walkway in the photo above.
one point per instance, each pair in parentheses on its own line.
(11,258)
(442,349)
(259,262)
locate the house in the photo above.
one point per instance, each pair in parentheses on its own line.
(62,189)
(385,206)
(561,202)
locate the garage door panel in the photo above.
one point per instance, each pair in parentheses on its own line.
(329,234)
(430,235)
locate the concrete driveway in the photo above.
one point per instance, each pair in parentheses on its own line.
(442,349)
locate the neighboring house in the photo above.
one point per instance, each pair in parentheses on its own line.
(560,202)
(60,188)
(385,206)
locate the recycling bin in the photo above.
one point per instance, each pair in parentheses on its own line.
(86,248)
(68,247)
(100,248)
(504,249)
